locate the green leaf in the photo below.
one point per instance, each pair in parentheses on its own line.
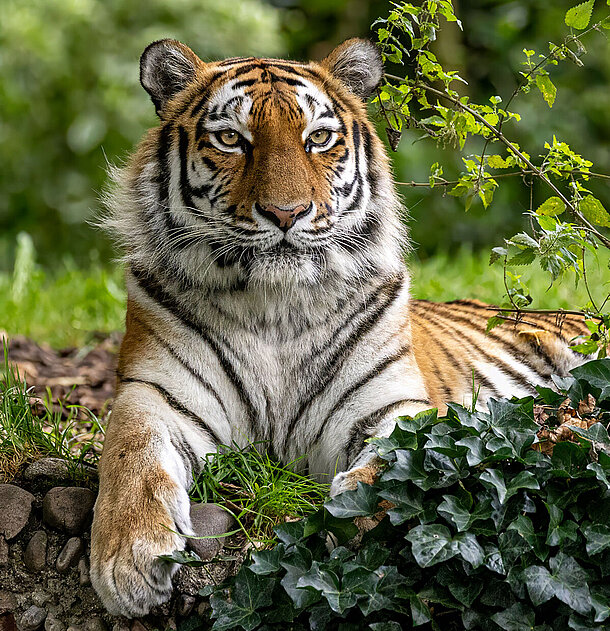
(539,584)
(267,561)
(594,211)
(431,544)
(525,257)
(551,207)
(496,254)
(596,373)
(547,87)
(598,538)
(469,549)
(580,15)
(249,593)
(327,582)
(409,465)
(597,433)
(362,501)
(519,617)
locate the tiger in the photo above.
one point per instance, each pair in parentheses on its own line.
(269,300)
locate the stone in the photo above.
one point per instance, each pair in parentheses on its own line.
(3,551)
(95,624)
(53,624)
(185,605)
(48,468)
(68,508)
(136,625)
(73,627)
(70,555)
(83,570)
(8,602)
(35,556)
(32,618)
(208,519)
(16,508)
(203,608)
(121,625)
(40,597)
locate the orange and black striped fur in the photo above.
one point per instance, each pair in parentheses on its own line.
(269,299)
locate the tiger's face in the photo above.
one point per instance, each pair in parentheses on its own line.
(270,165)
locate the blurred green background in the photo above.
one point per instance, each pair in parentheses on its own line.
(70,102)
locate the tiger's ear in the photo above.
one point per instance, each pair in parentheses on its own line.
(358,64)
(167,67)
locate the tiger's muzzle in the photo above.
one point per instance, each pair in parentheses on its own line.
(284,218)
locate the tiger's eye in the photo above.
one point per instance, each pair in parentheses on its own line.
(228,137)
(320,137)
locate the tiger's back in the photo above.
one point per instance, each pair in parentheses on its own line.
(458,357)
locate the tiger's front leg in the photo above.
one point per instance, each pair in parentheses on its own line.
(143,507)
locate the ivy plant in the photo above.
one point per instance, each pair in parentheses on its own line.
(476,526)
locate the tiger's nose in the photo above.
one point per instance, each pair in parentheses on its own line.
(284,218)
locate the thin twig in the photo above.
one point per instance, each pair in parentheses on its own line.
(546,311)
(500,136)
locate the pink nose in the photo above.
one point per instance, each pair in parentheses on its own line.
(283,218)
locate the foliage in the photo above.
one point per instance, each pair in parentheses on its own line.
(67,307)
(260,493)
(70,96)
(567,225)
(53,431)
(481,531)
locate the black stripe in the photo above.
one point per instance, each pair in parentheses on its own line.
(363,381)
(459,361)
(362,429)
(150,285)
(518,377)
(186,453)
(508,346)
(204,382)
(390,291)
(173,403)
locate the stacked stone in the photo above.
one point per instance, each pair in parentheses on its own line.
(44,573)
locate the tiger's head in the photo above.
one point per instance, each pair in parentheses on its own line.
(262,171)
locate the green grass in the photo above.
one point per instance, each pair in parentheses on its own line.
(70,432)
(258,491)
(69,306)
(468,274)
(66,307)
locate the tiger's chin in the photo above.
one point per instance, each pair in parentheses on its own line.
(284,267)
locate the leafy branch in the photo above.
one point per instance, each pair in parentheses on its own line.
(424,99)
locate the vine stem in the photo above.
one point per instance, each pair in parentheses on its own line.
(502,138)
(546,312)
(443,182)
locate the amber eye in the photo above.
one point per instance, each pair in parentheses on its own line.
(228,137)
(319,137)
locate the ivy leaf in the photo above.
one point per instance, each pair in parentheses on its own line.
(598,538)
(361,502)
(580,15)
(594,211)
(596,373)
(267,561)
(547,88)
(249,593)
(568,582)
(431,544)
(469,549)
(409,465)
(519,617)
(326,581)
(551,207)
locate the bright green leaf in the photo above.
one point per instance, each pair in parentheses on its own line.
(580,15)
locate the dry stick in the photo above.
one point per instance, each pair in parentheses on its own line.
(500,136)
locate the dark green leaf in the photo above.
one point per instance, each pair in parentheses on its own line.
(598,538)
(431,544)
(362,501)
(519,617)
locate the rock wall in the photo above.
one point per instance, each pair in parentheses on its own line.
(44,575)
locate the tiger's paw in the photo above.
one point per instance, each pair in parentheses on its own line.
(348,480)
(128,575)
